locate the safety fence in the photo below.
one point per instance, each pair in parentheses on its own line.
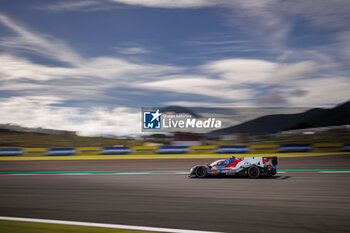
(209,149)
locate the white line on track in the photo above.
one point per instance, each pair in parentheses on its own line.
(102,225)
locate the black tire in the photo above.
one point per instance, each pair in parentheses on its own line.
(254,172)
(201,172)
(272,172)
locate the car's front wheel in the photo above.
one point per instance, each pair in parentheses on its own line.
(201,172)
(254,172)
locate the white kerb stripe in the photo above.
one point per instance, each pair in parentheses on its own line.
(103,225)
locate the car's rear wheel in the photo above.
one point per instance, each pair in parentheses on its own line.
(272,172)
(254,172)
(201,172)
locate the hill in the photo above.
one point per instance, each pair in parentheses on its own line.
(316,117)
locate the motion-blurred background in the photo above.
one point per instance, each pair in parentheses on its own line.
(75,75)
(249,126)
(87,67)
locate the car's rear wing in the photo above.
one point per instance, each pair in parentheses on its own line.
(274,160)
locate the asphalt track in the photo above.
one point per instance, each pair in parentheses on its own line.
(317,162)
(289,202)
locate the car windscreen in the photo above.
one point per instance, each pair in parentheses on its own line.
(219,163)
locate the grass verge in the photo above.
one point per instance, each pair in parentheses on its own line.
(29,227)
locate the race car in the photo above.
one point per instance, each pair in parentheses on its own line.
(252,167)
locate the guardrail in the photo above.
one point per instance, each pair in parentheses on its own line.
(224,149)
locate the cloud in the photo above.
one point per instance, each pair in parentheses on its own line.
(42,91)
(190,103)
(273,97)
(98,5)
(79,5)
(34,111)
(318,91)
(40,44)
(88,80)
(268,18)
(76,66)
(72,5)
(107,67)
(309,92)
(199,85)
(298,92)
(269,24)
(245,71)
(272,18)
(18,68)
(342,45)
(171,4)
(320,12)
(295,70)
(240,70)
(131,50)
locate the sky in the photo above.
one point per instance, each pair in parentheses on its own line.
(90,65)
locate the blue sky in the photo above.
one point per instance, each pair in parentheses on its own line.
(90,65)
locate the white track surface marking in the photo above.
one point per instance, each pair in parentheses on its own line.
(102,225)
